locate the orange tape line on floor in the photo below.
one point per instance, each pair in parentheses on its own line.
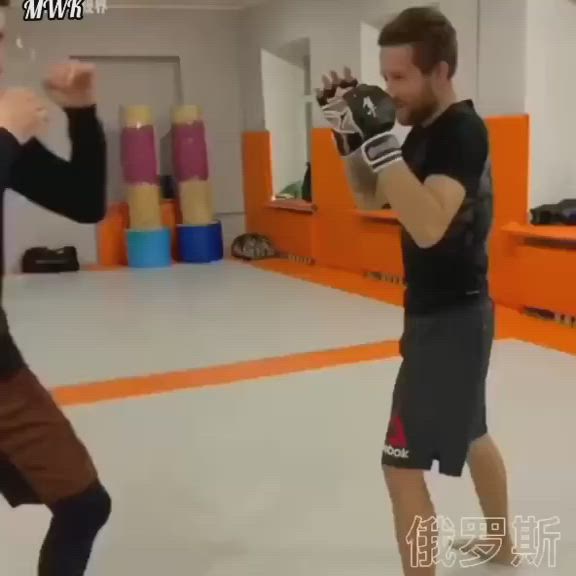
(219,375)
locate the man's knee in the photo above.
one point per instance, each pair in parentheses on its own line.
(86,513)
(391,476)
(401,480)
(398,473)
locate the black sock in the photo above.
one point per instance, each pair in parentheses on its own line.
(75,524)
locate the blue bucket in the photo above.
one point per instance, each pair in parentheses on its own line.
(149,248)
(201,244)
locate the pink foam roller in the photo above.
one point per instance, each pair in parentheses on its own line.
(189,151)
(139,155)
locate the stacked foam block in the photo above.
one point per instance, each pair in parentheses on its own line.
(199,234)
(148,242)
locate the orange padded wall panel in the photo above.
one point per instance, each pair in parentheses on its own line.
(337,228)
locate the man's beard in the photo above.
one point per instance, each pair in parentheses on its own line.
(418,115)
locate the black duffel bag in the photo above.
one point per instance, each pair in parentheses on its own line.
(42,260)
(561,214)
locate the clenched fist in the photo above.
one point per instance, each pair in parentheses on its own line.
(23,113)
(70,84)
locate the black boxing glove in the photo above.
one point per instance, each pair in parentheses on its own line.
(371,113)
(336,112)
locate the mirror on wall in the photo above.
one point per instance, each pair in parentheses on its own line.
(288,109)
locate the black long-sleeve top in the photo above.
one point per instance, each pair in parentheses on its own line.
(74,188)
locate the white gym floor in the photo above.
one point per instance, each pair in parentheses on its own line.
(91,326)
(274,477)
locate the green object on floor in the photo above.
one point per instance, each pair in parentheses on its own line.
(291,192)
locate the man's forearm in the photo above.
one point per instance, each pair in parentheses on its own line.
(418,210)
(88,161)
(10,149)
(75,189)
(363,183)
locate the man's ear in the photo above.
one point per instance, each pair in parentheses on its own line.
(442,71)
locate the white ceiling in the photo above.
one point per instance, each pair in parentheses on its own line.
(191,4)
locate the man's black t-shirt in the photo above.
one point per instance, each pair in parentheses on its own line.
(455,270)
(74,188)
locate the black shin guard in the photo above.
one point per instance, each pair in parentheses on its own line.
(75,524)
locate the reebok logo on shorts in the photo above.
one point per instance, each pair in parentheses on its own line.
(396,444)
(401,453)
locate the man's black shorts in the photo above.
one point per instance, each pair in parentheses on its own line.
(439,402)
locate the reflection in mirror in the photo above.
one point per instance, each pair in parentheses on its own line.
(286,85)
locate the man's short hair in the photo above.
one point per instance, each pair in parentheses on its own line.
(429,32)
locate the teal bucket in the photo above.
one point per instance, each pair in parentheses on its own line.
(149,248)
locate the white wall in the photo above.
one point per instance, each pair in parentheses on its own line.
(550,98)
(207,44)
(283,86)
(369,56)
(527,48)
(502,57)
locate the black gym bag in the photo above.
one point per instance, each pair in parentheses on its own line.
(42,260)
(561,214)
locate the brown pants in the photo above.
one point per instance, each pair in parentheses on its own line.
(42,461)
